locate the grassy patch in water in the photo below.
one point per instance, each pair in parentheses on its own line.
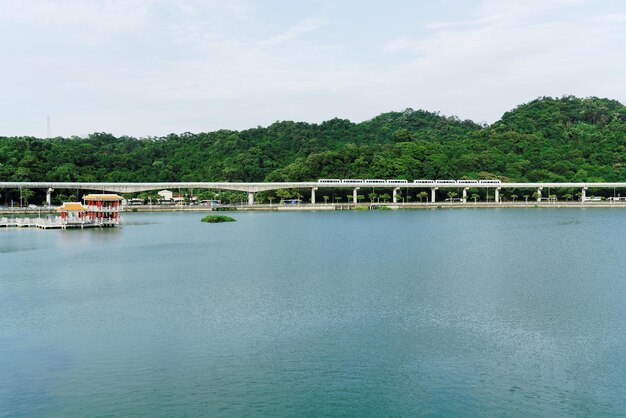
(216,219)
(361,207)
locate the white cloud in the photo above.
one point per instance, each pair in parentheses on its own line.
(88,16)
(149,66)
(506,54)
(295,32)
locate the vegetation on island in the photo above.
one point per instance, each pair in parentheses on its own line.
(548,139)
(216,219)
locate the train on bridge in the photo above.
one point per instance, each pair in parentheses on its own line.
(400,182)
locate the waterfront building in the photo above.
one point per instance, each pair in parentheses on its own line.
(167,197)
(72,212)
(98,210)
(135,201)
(103,209)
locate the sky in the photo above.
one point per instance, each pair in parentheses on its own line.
(153,67)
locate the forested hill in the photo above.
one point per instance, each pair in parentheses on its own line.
(548,139)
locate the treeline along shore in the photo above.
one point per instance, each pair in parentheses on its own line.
(567,139)
(361,206)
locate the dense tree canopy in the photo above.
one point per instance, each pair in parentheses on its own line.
(548,139)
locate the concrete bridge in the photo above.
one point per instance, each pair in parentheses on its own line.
(252,188)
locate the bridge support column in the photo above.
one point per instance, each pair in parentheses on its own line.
(49,197)
(464,198)
(497,197)
(539,194)
(583,194)
(395,194)
(250,198)
(432,194)
(355,200)
(313,195)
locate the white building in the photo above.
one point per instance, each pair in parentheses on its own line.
(166,196)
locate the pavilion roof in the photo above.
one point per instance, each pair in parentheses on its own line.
(71,207)
(102,197)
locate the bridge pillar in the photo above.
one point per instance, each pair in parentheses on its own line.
(464,198)
(583,194)
(313,195)
(539,189)
(354,195)
(432,194)
(497,197)
(250,198)
(395,194)
(49,196)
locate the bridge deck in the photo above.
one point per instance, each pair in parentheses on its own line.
(253,187)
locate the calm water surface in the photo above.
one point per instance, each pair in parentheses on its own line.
(486,312)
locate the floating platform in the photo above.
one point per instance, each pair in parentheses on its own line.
(58,223)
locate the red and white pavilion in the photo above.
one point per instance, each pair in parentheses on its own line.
(103,209)
(97,210)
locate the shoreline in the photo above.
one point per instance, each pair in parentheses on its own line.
(338,206)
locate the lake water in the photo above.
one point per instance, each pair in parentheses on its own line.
(466,312)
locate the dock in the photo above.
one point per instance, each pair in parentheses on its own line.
(54,223)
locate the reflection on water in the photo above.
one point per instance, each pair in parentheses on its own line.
(469,312)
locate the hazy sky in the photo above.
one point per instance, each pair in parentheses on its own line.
(151,67)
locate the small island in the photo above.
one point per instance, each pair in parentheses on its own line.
(215,219)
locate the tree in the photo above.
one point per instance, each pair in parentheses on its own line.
(360,197)
(475,197)
(203,195)
(284,194)
(26,195)
(372,196)
(567,197)
(422,195)
(401,135)
(385,197)
(452,195)
(59,198)
(514,197)
(326,199)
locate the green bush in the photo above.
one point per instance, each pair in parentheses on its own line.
(214,219)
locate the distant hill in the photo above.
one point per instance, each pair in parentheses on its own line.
(548,139)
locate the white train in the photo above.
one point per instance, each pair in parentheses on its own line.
(398,181)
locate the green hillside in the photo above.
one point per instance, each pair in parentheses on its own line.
(548,139)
